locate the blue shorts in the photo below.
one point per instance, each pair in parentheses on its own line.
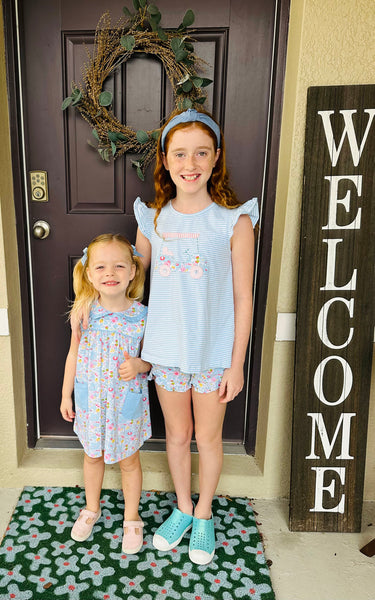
(174,380)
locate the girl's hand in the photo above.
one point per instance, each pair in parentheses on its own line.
(231,384)
(129,368)
(66,409)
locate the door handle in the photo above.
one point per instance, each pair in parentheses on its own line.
(41,230)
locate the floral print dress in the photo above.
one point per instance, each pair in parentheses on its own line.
(112,415)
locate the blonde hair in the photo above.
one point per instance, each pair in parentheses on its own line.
(86,294)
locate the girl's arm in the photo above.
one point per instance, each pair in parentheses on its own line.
(143,246)
(78,319)
(66,406)
(131,366)
(242,245)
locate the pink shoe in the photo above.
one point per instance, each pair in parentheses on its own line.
(132,541)
(82,528)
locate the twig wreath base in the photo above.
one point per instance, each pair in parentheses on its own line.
(138,32)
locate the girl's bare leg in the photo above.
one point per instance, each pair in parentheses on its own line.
(177,412)
(209,416)
(131,477)
(93,473)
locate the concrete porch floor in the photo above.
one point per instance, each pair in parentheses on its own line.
(305,566)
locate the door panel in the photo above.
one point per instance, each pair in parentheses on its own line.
(88,196)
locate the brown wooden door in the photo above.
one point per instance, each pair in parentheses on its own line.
(88,196)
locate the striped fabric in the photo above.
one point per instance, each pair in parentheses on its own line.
(190,321)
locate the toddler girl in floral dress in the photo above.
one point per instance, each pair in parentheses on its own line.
(111,417)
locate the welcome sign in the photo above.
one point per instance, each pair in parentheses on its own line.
(335,310)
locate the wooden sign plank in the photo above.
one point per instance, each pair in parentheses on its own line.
(335,310)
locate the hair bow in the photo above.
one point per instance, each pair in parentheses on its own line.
(84,257)
(135,252)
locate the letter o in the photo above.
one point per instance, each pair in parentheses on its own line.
(347,380)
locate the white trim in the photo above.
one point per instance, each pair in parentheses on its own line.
(286,327)
(28,224)
(4,324)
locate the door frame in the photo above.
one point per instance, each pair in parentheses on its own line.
(13,70)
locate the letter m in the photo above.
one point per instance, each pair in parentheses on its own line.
(355,148)
(318,424)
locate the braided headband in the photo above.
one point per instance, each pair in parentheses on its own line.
(190,116)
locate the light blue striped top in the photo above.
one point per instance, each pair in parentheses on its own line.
(190,323)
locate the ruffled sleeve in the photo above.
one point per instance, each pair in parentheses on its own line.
(145,217)
(247,208)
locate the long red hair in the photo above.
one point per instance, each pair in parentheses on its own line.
(218,185)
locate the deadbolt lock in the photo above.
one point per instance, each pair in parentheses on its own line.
(39,186)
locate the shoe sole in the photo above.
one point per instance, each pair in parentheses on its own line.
(76,538)
(132,550)
(200,560)
(169,546)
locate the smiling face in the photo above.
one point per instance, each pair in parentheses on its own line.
(110,270)
(190,158)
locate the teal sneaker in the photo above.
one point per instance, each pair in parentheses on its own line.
(202,541)
(171,532)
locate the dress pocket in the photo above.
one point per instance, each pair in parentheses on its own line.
(81,391)
(132,407)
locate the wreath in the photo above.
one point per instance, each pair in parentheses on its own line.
(138,32)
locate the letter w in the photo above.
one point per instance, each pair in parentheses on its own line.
(356,150)
(344,422)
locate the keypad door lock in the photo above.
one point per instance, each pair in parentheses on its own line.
(39,186)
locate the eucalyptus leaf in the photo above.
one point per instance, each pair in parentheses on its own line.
(135,163)
(205,82)
(142,136)
(189,46)
(77,98)
(201,100)
(187,103)
(140,174)
(142,3)
(155,134)
(188,19)
(113,148)
(105,98)
(104,154)
(112,136)
(128,42)
(153,10)
(187,86)
(188,61)
(197,82)
(180,55)
(162,35)
(176,44)
(153,24)
(122,137)
(136,4)
(156,18)
(126,11)
(66,102)
(95,134)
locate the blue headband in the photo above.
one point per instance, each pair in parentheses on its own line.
(190,116)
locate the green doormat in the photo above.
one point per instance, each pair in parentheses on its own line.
(39,560)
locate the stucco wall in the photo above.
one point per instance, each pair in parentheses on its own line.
(330,42)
